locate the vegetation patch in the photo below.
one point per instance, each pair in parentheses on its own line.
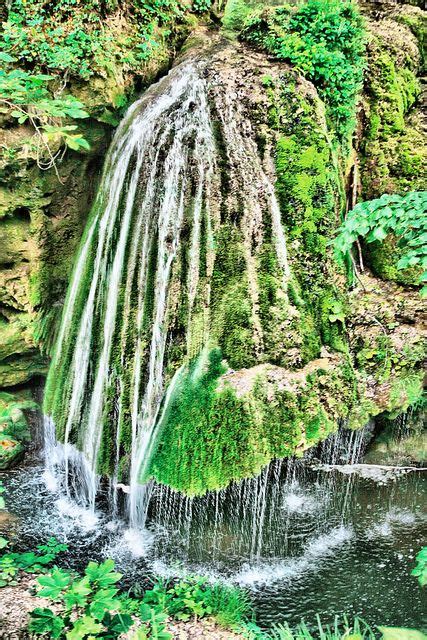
(405,218)
(14,428)
(393,149)
(310,192)
(222,428)
(324,40)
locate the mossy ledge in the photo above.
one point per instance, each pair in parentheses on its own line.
(223,427)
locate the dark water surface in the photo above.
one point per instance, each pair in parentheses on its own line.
(302,541)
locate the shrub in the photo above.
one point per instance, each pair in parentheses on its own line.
(324,39)
(403,216)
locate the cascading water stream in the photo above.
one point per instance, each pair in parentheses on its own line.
(142,199)
(111,367)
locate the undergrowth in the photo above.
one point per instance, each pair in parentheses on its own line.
(325,41)
(86,37)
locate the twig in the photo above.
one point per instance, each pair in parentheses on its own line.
(40,136)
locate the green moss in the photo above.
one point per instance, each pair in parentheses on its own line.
(325,41)
(393,148)
(405,391)
(310,195)
(232,323)
(218,434)
(332,319)
(11,451)
(383,258)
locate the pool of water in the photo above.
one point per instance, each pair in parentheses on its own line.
(302,540)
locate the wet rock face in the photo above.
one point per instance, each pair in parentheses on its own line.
(41,222)
(400,442)
(392,145)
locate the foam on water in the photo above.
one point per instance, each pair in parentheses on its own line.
(323,546)
(300,502)
(395,519)
(79,516)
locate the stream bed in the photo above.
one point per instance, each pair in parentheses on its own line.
(301,540)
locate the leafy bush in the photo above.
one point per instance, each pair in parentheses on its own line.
(87,604)
(92,605)
(83,37)
(198,598)
(201,6)
(404,216)
(324,39)
(12,563)
(26,97)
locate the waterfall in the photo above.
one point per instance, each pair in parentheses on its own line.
(288,506)
(148,249)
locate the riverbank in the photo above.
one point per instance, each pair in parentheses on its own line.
(18,600)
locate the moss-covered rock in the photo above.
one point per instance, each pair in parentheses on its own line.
(393,145)
(383,258)
(226,426)
(388,340)
(41,221)
(401,441)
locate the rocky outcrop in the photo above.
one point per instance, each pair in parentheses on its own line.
(400,442)
(393,145)
(300,353)
(42,217)
(41,222)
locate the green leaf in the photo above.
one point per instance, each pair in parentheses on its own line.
(102,601)
(3,542)
(76,594)
(83,627)
(72,143)
(378,233)
(5,57)
(76,113)
(145,612)
(83,143)
(43,621)
(102,574)
(54,584)
(119,623)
